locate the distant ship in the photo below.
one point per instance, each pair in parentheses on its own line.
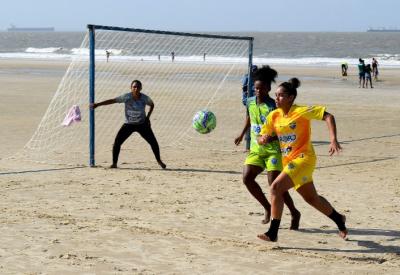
(13,28)
(382,30)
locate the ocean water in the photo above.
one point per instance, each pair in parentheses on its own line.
(295,48)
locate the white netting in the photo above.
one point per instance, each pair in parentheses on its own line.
(205,73)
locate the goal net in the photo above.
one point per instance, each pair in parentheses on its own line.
(182,73)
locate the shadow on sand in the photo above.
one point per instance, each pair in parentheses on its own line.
(361,238)
(192,170)
(40,170)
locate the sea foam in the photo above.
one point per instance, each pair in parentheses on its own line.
(43,50)
(118,55)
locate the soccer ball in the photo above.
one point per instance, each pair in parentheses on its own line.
(204,121)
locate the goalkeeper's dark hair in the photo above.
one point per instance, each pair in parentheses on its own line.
(137,82)
(291,86)
(265,74)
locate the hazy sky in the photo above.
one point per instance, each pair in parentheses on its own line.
(203,15)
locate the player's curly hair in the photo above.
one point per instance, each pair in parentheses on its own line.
(265,74)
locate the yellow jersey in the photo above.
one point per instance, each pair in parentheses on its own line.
(293,130)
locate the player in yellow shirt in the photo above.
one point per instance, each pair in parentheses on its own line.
(291,124)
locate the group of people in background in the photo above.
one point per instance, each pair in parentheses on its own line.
(108,53)
(366,72)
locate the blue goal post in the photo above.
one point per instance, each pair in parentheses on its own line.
(92,67)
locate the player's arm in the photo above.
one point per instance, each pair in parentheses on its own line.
(105,102)
(334,146)
(151,105)
(245,128)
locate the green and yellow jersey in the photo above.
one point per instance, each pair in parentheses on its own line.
(258,114)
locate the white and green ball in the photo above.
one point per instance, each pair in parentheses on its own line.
(204,121)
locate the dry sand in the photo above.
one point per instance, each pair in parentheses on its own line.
(197,217)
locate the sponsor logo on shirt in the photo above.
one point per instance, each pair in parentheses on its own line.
(285,151)
(256,128)
(287,138)
(133,115)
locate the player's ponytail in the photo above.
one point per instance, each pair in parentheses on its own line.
(295,82)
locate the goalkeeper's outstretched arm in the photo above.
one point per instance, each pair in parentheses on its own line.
(105,102)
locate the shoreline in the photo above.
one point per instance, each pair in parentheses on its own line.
(323,62)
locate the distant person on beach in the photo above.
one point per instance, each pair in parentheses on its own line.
(267,156)
(245,85)
(368,78)
(361,73)
(136,120)
(108,55)
(204,56)
(173,56)
(292,125)
(345,66)
(375,69)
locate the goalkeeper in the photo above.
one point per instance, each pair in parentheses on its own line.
(136,120)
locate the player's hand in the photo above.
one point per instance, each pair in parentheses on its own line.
(238,140)
(262,139)
(334,147)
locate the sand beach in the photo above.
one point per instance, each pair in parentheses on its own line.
(197,217)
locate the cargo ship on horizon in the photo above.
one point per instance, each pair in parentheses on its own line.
(13,28)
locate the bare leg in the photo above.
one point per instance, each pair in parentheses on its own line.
(272,175)
(250,172)
(280,185)
(295,222)
(311,196)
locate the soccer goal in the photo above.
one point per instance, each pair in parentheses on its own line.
(181,72)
